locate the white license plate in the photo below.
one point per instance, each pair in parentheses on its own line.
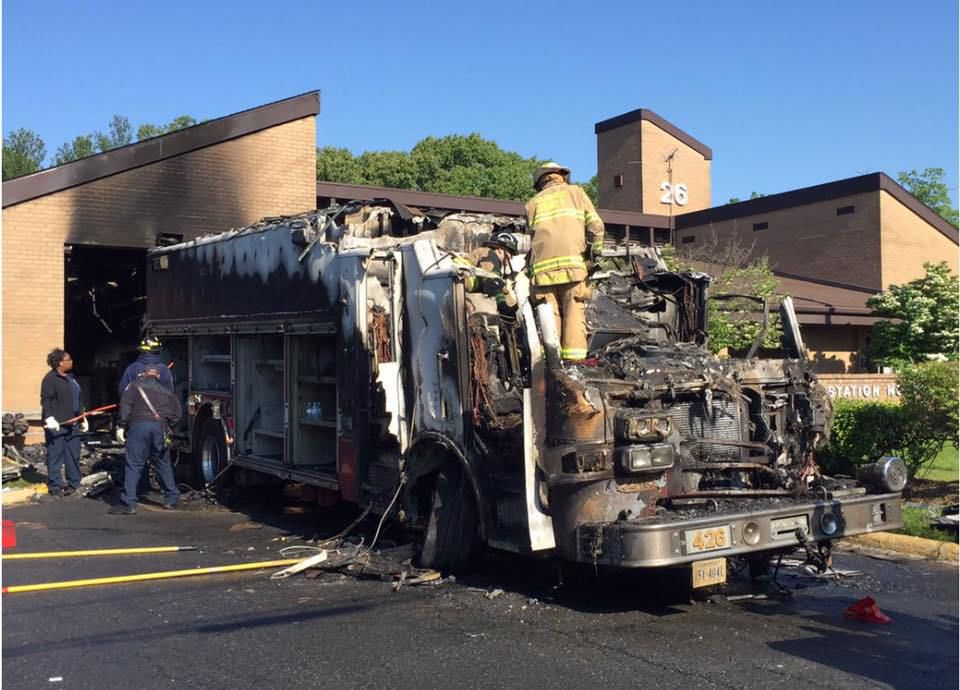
(711,572)
(707,539)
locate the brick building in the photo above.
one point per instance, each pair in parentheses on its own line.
(832,246)
(75,236)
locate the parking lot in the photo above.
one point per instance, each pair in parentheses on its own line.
(244,630)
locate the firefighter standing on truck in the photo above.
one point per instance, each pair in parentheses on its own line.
(566,232)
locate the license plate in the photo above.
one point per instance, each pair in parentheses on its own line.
(709,539)
(712,572)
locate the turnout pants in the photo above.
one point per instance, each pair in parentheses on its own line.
(569,304)
(145,445)
(63,451)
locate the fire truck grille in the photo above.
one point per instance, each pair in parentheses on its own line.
(721,422)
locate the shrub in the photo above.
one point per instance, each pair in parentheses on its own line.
(929,399)
(862,432)
(915,430)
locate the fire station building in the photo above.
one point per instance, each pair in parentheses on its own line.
(75,236)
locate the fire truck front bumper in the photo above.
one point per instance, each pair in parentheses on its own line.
(668,542)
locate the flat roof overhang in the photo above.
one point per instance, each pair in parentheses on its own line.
(470,204)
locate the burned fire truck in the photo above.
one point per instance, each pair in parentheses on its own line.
(341,349)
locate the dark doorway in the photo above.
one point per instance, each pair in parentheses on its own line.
(105,305)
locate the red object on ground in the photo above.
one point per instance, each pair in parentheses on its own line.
(9,534)
(866,610)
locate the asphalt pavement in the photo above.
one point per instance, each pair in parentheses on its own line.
(244,630)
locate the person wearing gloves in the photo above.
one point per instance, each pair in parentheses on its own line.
(147,410)
(149,348)
(60,402)
(494,258)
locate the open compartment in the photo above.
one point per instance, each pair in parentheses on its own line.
(313,401)
(260,403)
(210,360)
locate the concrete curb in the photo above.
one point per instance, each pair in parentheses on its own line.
(24,495)
(916,546)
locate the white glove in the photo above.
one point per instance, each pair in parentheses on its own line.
(121,435)
(51,424)
(84,425)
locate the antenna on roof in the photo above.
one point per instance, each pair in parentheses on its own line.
(668,159)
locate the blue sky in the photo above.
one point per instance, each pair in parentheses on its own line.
(786,94)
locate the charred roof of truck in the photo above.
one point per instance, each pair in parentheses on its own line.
(378,224)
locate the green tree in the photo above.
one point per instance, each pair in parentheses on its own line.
(338,165)
(591,189)
(388,169)
(148,130)
(23,153)
(454,164)
(119,133)
(928,186)
(753,195)
(81,147)
(473,166)
(733,323)
(926,310)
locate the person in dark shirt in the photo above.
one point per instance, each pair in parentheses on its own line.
(149,355)
(147,410)
(149,348)
(61,401)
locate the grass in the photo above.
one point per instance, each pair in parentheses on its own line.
(20,484)
(946,468)
(916,523)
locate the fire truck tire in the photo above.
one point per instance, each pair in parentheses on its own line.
(211,455)
(452,539)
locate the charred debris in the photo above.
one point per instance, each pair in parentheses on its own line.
(737,429)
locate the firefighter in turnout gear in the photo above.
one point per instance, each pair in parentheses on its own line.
(494,277)
(495,257)
(566,232)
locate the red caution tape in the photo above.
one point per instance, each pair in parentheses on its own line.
(866,610)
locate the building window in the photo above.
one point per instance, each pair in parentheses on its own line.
(759,226)
(618,180)
(846,210)
(689,239)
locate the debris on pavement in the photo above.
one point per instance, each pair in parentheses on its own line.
(392,564)
(309,562)
(493,594)
(96,483)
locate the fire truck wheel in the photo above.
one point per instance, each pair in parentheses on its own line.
(452,539)
(211,455)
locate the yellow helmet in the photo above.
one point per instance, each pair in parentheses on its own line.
(550,167)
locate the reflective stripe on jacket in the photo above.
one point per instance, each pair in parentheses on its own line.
(561,220)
